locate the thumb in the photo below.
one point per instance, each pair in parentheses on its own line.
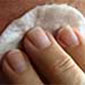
(51,60)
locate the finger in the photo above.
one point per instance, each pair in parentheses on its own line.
(18,70)
(73,43)
(51,60)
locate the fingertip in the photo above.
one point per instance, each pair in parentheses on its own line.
(67,37)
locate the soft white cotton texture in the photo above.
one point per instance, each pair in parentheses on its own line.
(49,17)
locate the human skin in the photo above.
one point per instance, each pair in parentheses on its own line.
(76,45)
(51,61)
(11,9)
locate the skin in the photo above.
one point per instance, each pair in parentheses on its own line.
(75,47)
(19,70)
(59,63)
(11,9)
(16,9)
(50,59)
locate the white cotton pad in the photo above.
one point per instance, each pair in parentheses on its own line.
(49,17)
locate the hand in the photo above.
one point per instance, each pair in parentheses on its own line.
(10,9)
(46,54)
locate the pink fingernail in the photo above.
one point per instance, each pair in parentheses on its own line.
(67,38)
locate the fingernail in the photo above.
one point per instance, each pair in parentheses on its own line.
(67,38)
(16,60)
(39,38)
